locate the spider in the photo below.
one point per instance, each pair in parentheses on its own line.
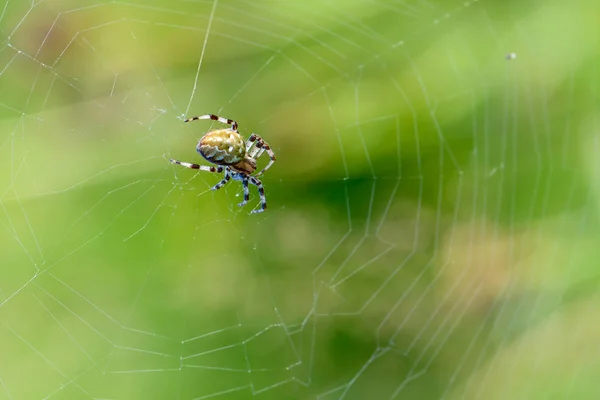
(226,148)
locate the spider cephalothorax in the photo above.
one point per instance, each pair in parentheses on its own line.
(227,149)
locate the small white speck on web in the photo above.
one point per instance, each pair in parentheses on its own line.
(511,56)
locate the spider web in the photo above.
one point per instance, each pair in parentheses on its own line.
(432,224)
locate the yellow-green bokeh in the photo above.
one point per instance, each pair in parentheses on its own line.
(432,226)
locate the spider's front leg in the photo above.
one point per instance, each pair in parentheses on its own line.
(261,192)
(246,191)
(225,179)
(259,148)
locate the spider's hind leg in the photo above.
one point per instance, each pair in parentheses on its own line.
(198,167)
(227,121)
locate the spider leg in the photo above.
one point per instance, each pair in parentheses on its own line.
(249,143)
(246,192)
(225,179)
(227,121)
(261,192)
(196,166)
(261,147)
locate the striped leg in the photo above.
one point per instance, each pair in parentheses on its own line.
(227,121)
(249,144)
(225,179)
(246,192)
(198,167)
(261,193)
(259,149)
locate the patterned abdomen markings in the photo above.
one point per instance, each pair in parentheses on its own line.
(222,146)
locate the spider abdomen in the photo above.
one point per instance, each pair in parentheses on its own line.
(222,146)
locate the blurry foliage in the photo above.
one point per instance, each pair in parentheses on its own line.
(432,213)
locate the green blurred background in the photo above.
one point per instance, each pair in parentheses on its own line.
(432,229)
